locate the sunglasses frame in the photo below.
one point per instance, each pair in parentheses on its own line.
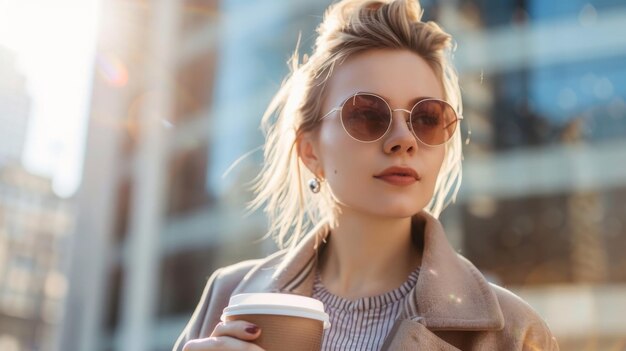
(391,111)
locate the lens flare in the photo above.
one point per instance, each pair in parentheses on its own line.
(112,70)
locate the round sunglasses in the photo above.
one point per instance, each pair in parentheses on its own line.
(367,117)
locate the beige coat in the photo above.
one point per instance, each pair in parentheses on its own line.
(452,306)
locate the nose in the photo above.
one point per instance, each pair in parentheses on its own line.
(400,139)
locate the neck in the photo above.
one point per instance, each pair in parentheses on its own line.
(368,256)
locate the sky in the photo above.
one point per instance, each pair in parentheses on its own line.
(54,42)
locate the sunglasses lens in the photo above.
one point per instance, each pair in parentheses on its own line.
(366,117)
(433,121)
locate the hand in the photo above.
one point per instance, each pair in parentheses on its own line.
(228,336)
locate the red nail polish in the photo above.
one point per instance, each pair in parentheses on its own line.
(252,329)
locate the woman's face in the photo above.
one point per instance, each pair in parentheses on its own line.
(351,168)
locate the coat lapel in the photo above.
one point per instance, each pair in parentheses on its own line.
(450,292)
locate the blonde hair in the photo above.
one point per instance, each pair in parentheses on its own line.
(348,27)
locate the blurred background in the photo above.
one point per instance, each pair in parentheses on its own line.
(120,119)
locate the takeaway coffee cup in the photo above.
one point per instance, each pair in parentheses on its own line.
(288,322)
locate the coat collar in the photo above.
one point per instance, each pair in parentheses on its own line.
(450,293)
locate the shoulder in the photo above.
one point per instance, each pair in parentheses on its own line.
(228,278)
(217,291)
(522,321)
(225,282)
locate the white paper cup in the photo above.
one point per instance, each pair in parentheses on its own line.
(288,322)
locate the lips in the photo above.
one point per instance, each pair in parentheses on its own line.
(399,176)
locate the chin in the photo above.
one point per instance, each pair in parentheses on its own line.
(385,206)
(397,210)
(401,213)
(401,207)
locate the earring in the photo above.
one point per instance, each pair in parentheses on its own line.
(314,185)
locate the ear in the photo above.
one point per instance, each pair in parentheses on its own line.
(308,152)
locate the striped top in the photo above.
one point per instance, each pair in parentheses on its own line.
(361,324)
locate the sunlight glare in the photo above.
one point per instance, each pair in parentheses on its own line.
(54,43)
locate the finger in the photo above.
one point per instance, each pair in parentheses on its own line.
(221,343)
(238,329)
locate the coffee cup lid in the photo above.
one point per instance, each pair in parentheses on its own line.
(277,304)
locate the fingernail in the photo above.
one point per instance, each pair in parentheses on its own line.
(252,329)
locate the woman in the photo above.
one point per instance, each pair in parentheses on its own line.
(370,125)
